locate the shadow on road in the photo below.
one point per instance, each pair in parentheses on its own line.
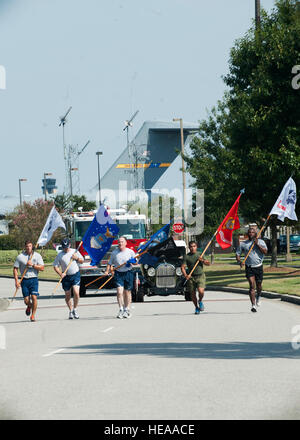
(233,350)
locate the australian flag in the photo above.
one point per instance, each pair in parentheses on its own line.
(99,236)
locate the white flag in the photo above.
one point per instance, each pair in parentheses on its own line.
(286,202)
(53,222)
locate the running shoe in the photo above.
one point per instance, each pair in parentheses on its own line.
(71,315)
(75,314)
(120,314)
(197,310)
(32,318)
(201,306)
(127,313)
(27,311)
(253,308)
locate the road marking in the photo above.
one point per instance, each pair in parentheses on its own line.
(107,330)
(53,352)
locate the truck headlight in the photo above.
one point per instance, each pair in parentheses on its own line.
(151,272)
(178,271)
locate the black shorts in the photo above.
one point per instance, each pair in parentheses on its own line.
(256,272)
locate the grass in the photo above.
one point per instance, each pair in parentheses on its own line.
(47,274)
(281,280)
(7,259)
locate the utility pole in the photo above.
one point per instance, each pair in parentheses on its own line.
(257,14)
(186,235)
(99,153)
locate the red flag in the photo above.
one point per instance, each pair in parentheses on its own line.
(229,224)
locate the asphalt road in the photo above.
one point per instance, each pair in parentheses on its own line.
(163,363)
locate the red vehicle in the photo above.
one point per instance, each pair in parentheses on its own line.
(131,226)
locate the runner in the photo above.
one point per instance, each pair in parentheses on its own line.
(70,280)
(123,276)
(254,265)
(196,281)
(32,262)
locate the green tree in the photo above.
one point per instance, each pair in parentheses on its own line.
(251,139)
(82,202)
(65,203)
(27,222)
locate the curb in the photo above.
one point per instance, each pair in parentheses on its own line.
(40,279)
(291,299)
(265,294)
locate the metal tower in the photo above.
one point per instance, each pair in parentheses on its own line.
(63,120)
(73,167)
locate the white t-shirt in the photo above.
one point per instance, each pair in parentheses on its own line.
(21,263)
(119,257)
(63,259)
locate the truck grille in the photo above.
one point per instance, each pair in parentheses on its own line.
(165,276)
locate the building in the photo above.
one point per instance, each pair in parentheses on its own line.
(147,157)
(50,186)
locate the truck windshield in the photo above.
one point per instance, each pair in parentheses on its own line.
(132,231)
(128,230)
(80,229)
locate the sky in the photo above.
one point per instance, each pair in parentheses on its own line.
(106,59)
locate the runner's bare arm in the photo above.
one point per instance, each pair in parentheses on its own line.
(16,277)
(58,271)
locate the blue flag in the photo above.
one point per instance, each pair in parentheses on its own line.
(156,238)
(99,236)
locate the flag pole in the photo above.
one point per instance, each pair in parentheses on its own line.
(258,235)
(67,268)
(208,244)
(205,249)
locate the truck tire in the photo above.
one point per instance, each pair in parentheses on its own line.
(82,289)
(133,295)
(138,295)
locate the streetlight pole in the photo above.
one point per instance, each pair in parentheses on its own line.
(45,184)
(183,177)
(20,192)
(99,153)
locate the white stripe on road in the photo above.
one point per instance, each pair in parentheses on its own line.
(63,349)
(53,352)
(107,330)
